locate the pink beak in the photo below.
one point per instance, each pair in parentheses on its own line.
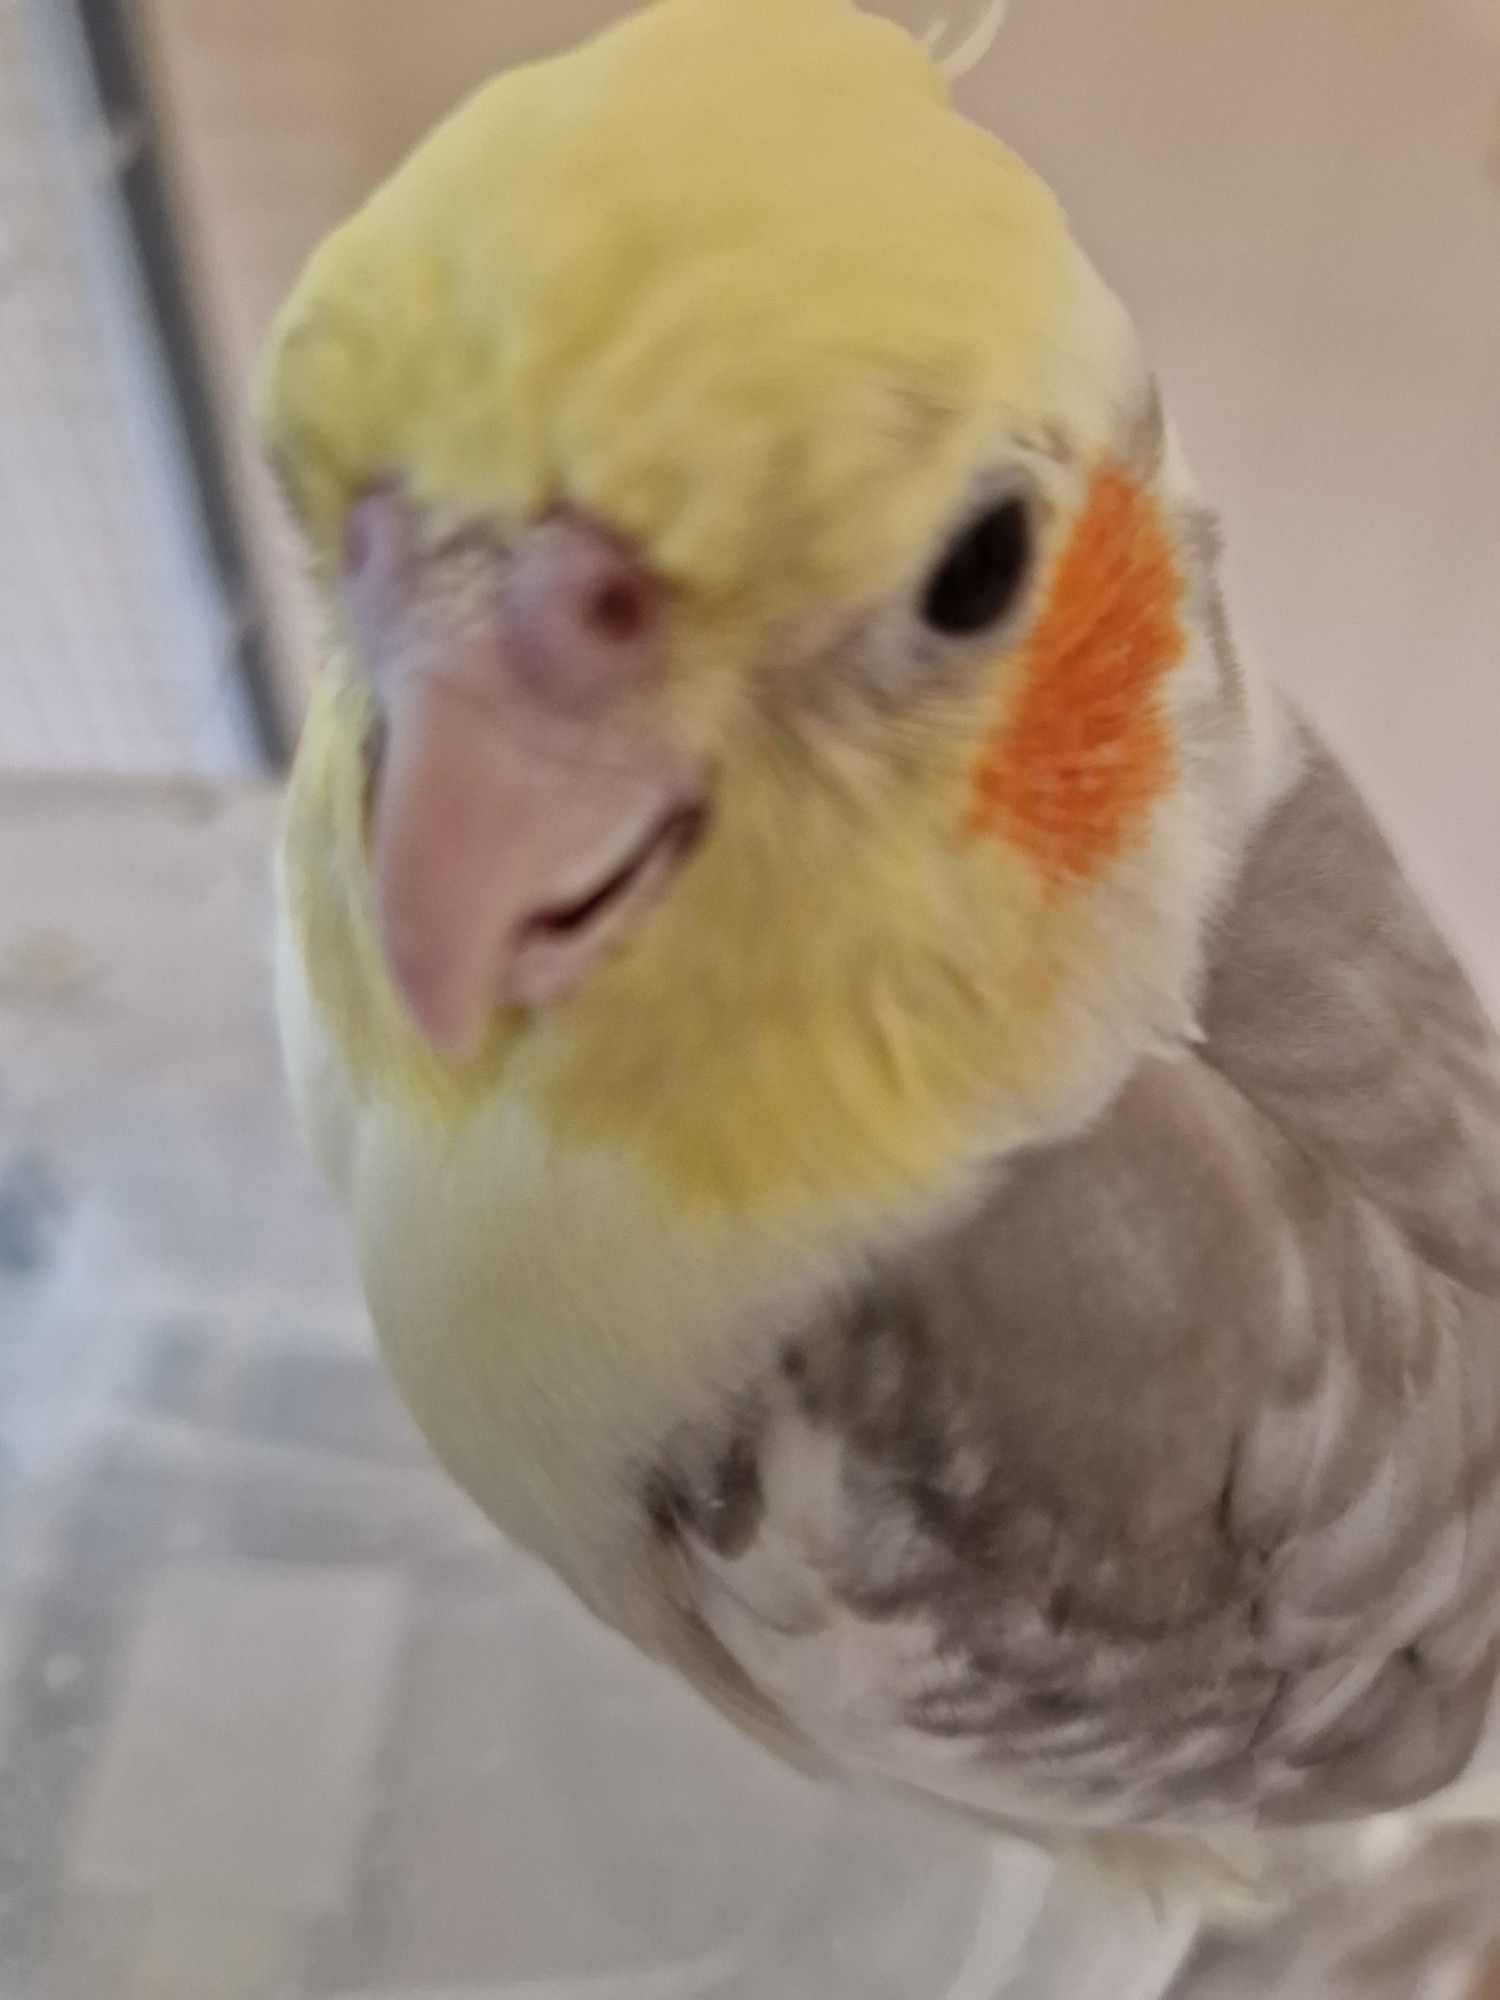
(525,808)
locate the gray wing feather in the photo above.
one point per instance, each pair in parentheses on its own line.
(1165,1490)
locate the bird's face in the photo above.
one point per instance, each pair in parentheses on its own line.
(774,721)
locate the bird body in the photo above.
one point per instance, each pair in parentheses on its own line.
(904,1130)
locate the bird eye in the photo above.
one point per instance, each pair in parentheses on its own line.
(980,579)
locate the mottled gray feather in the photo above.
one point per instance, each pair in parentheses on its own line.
(1164,1489)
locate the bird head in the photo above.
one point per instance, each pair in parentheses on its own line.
(776,722)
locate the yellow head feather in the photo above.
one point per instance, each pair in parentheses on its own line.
(712,276)
(735,279)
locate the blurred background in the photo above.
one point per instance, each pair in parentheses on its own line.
(277,1717)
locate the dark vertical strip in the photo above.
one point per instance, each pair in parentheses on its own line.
(110,36)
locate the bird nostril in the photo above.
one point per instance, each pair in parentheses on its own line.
(619,610)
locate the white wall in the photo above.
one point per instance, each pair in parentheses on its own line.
(115,649)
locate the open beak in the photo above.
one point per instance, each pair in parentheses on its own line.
(526,811)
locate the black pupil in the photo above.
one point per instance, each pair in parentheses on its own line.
(980,578)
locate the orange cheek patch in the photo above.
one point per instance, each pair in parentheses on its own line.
(1073,770)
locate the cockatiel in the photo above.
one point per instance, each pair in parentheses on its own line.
(905,1132)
